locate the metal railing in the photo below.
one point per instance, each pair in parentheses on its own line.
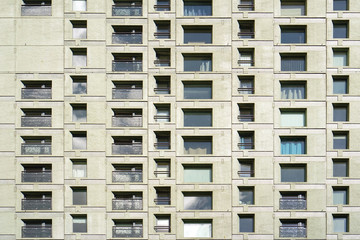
(124,149)
(127,176)
(36,232)
(162,7)
(246,7)
(129,93)
(292,203)
(162,63)
(162,201)
(162,118)
(36,204)
(35,149)
(126,10)
(163,90)
(127,121)
(126,232)
(166,173)
(249,145)
(162,229)
(127,38)
(246,90)
(246,63)
(36,121)
(246,117)
(162,35)
(126,66)
(246,173)
(36,10)
(293,231)
(127,204)
(44,176)
(36,93)
(246,34)
(162,145)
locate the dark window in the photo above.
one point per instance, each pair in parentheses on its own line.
(127,62)
(197,145)
(246,29)
(341,5)
(340,168)
(162,113)
(79,195)
(340,85)
(293,90)
(198,34)
(293,34)
(246,5)
(162,140)
(197,62)
(293,62)
(197,117)
(293,173)
(246,113)
(197,8)
(197,200)
(79,112)
(340,112)
(340,140)
(197,90)
(340,29)
(162,30)
(79,223)
(163,196)
(162,5)
(246,223)
(162,85)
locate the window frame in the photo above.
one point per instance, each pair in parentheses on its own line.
(197,29)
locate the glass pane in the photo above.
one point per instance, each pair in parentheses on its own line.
(292,35)
(79,33)
(292,119)
(340,169)
(292,91)
(340,224)
(293,146)
(79,5)
(79,87)
(197,119)
(246,224)
(79,197)
(79,224)
(79,143)
(293,174)
(197,147)
(340,87)
(340,30)
(340,196)
(293,63)
(200,202)
(340,59)
(79,60)
(340,5)
(197,8)
(197,229)
(79,115)
(246,196)
(197,91)
(198,64)
(340,114)
(340,142)
(198,35)
(197,174)
(292,8)
(79,169)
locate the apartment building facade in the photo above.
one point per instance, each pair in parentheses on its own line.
(186,119)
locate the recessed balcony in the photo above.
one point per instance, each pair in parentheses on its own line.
(36,93)
(127,232)
(36,121)
(127,204)
(36,10)
(36,149)
(36,231)
(127,176)
(41,176)
(36,204)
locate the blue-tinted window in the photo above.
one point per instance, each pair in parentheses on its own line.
(340,140)
(246,223)
(197,145)
(293,173)
(293,34)
(293,145)
(197,117)
(198,62)
(340,29)
(197,90)
(197,8)
(340,85)
(293,63)
(340,5)
(199,34)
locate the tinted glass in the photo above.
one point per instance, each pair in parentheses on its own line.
(198,35)
(340,196)
(202,64)
(340,169)
(340,86)
(340,30)
(246,223)
(197,118)
(340,5)
(197,8)
(293,63)
(197,147)
(340,114)
(340,224)
(198,91)
(293,174)
(340,141)
(79,87)
(79,196)
(197,202)
(293,35)
(246,196)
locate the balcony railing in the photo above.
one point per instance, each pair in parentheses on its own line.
(248,63)
(246,173)
(292,203)
(126,10)
(246,90)
(162,35)
(163,90)
(36,10)
(127,38)
(162,173)
(293,231)
(162,118)
(127,176)
(162,63)
(162,145)
(127,121)
(246,34)
(246,7)
(35,149)
(162,201)
(161,7)
(36,204)
(44,176)
(246,118)
(36,93)
(249,145)
(162,229)
(36,232)
(126,66)
(127,149)
(127,204)
(127,93)
(44,121)
(127,232)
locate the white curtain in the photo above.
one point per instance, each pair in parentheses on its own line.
(197,230)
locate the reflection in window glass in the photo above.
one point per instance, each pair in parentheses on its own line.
(340,168)
(197,145)
(293,173)
(293,8)
(197,118)
(79,113)
(197,174)
(246,223)
(246,195)
(197,90)
(197,201)
(293,91)
(293,35)
(197,229)
(79,224)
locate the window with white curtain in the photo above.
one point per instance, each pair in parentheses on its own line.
(198,228)
(79,5)
(197,173)
(294,62)
(293,145)
(340,57)
(293,117)
(79,57)
(79,168)
(293,90)
(197,145)
(340,223)
(79,29)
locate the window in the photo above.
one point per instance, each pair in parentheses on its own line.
(340,168)
(340,29)
(197,8)
(162,223)
(197,173)
(79,112)
(79,84)
(341,5)
(79,223)
(162,196)
(162,5)
(246,195)
(293,201)
(293,8)
(293,145)
(340,140)
(127,62)
(197,145)
(162,30)
(246,29)
(36,201)
(127,35)
(246,5)
(162,57)
(340,85)
(340,196)
(79,168)
(293,90)
(127,8)
(197,90)
(127,90)
(125,117)
(162,140)
(36,90)
(246,168)
(79,5)
(341,223)
(246,140)
(198,62)
(79,195)
(197,200)
(79,29)
(197,34)
(162,113)
(79,57)
(293,228)
(340,57)
(293,62)
(293,117)
(246,57)
(246,113)
(246,85)
(293,173)
(197,228)
(162,168)
(37,228)
(127,173)
(340,112)
(162,85)
(293,34)
(78,140)
(197,117)
(36,8)
(127,145)
(246,223)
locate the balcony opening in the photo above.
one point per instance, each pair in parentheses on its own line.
(124,228)
(36,8)
(197,89)
(36,90)
(79,112)
(340,84)
(246,5)
(197,228)
(79,5)
(197,200)
(293,228)
(162,140)
(163,223)
(293,62)
(79,168)
(197,34)
(246,29)
(127,8)
(197,8)
(127,173)
(36,117)
(79,140)
(163,85)
(79,84)
(246,112)
(292,201)
(127,62)
(199,173)
(293,90)
(246,195)
(246,168)
(246,85)
(247,140)
(124,117)
(194,145)
(162,30)
(36,228)
(293,172)
(163,58)
(127,90)
(162,113)
(162,5)
(79,57)
(127,145)
(79,29)
(163,168)
(197,117)
(199,62)
(127,201)
(36,173)
(246,57)
(36,201)
(162,196)
(36,145)
(127,35)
